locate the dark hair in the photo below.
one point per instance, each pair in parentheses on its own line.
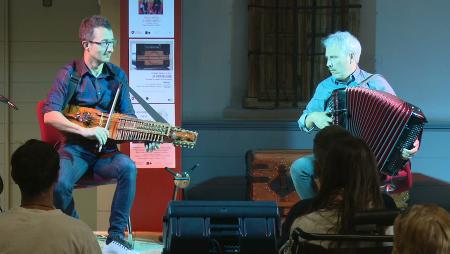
(35,167)
(422,229)
(349,181)
(323,140)
(89,23)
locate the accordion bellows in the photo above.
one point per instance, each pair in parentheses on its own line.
(387,123)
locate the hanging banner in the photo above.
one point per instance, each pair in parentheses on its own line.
(150,52)
(163,157)
(151,18)
(152,73)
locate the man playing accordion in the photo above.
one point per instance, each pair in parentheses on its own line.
(342,51)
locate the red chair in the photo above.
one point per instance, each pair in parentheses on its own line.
(53,136)
(402,181)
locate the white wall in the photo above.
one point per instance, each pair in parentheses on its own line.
(41,40)
(215,61)
(412,52)
(214,56)
(412,38)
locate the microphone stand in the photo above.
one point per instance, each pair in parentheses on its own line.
(1,190)
(8,102)
(180,180)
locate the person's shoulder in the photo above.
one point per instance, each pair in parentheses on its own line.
(67,69)
(325,84)
(16,212)
(305,222)
(380,79)
(73,220)
(73,231)
(115,69)
(376,79)
(117,72)
(377,82)
(5,216)
(70,66)
(68,226)
(302,207)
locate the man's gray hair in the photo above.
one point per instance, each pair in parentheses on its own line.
(346,42)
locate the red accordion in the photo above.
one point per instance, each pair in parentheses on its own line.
(384,121)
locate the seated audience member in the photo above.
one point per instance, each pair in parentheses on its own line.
(422,229)
(321,144)
(349,183)
(36,226)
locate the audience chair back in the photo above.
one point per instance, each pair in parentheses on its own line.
(366,222)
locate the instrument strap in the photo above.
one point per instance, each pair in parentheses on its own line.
(146,106)
(365,81)
(74,81)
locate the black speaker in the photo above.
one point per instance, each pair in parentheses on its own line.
(221,227)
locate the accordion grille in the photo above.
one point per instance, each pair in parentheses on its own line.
(386,123)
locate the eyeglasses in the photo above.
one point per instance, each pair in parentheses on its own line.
(105,44)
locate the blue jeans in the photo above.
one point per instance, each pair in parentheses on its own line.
(75,160)
(302,173)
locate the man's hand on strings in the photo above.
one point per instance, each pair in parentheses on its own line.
(408,154)
(96,133)
(152,146)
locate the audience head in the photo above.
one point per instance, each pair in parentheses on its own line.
(323,139)
(422,229)
(349,180)
(35,167)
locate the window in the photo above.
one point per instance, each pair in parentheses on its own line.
(286,58)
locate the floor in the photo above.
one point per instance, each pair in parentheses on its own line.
(428,190)
(425,190)
(144,242)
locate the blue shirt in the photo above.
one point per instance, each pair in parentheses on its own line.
(327,86)
(94,92)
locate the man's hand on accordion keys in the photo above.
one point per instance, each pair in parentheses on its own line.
(407,154)
(318,119)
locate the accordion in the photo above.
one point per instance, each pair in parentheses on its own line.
(384,121)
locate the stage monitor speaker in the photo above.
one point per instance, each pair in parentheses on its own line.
(221,227)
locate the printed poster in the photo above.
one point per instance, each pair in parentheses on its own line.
(163,157)
(151,19)
(152,73)
(151,70)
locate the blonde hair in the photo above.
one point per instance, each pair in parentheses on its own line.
(422,229)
